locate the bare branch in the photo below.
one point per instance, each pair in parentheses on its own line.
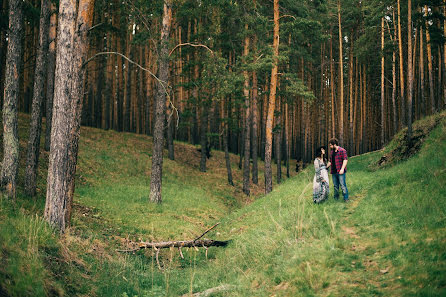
(190,44)
(206,232)
(133,62)
(288,15)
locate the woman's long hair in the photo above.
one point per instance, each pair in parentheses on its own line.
(318,153)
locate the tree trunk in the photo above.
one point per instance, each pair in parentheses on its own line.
(160,107)
(351,95)
(400,46)
(382,86)
(278,142)
(409,70)
(341,79)
(444,56)
(10,162)
(395,114)
(225,144)
(272,102)
(255,171)
(429,66)
(333,131)
(74,23)
(247,126)
(203,138)
(32,159)
(50,76)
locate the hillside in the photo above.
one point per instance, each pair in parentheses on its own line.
(390,240)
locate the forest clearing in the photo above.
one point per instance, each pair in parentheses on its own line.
(166,148)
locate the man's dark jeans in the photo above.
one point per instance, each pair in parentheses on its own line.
(339,180)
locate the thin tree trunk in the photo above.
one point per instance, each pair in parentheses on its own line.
(255,171)
(429,66)
(50,76)
(203,136)
(278,142)
(272,102)
(382,138)
(32,159)
(394,75)
(10,162)
(247,126)
(351,94)
(74,23)
(400,47)
(225,144)
(444,56)
(341,79)
(333,133)
(160,106)
(409,70)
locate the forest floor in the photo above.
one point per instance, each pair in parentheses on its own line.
(390,240)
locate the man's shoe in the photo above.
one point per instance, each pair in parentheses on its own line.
(347,200)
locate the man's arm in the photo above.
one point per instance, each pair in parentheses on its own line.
(344,164)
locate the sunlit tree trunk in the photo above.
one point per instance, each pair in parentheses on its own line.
(160,106)
(10,162)
(394,75)
(272,102)
(32,159)
(74,22)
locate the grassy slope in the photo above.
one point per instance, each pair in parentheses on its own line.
(389,241)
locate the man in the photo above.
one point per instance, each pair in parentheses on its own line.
(338,162)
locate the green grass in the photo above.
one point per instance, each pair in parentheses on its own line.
(389,241)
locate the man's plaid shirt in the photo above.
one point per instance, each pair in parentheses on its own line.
(338,157)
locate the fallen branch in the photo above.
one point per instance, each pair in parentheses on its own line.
(197,242)
(177,244)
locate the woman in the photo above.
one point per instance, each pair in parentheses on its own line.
(321,186)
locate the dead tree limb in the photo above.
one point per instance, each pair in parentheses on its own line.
(177,244)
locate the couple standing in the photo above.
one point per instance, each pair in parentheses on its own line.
(338,162)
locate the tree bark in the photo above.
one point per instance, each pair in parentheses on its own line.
(278,142)
(10,162)
(247,126)
(400,47)
(255,171)
(272,102)
(429,66)
(203,138)
(382,136)
(40,77)
(409,70)
(341,79)
(50,76)
(350,73)
(160,106)
(225,144)
(74,22)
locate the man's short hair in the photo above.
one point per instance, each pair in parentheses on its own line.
(333,141)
